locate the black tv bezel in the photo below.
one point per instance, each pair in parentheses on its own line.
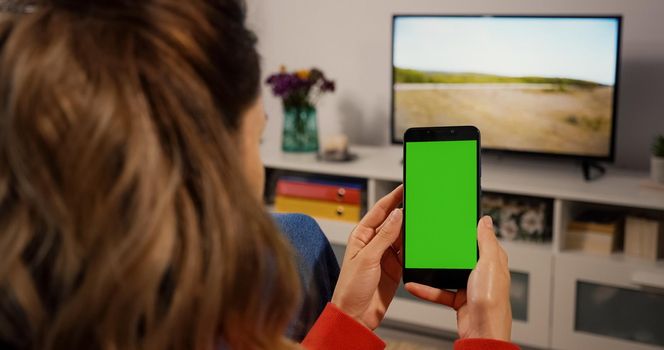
(614,117)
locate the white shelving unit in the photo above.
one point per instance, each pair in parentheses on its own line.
(552,274)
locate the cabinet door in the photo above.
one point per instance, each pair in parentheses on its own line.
(530,293)
(607,303)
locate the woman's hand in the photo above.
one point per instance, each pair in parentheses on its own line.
(483,309)
(371,269)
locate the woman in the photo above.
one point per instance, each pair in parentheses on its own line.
(130,186)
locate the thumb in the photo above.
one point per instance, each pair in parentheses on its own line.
(486,237)
(388,233)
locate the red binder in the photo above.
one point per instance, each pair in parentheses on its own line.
(324,192)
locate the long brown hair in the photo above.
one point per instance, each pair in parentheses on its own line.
(124,220)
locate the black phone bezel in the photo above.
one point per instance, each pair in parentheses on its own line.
(439,278)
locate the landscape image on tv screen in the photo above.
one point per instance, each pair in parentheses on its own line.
(542,85)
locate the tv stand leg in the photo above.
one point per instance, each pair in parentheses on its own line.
(588,166)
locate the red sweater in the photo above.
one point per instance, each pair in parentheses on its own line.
(336,330)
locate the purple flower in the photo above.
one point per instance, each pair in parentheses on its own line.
(301,87)
(328,85)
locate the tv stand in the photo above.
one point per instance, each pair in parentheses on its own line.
(545,275)
(588,166)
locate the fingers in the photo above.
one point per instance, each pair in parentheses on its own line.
(490,248)
(486,238)
(435,295)
(398,243)
(382,208)
(392,265)
(373,221)
(387,235)
(439,296)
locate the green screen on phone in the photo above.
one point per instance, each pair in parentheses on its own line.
(441,205)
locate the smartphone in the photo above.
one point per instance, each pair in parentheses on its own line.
(442,171)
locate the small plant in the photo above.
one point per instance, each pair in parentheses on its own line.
(658,146)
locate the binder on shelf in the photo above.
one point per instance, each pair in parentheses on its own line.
(318,208)
(594,232)
(644,238)
(322,198)
(325,191)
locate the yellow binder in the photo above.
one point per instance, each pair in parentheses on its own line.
(318,208)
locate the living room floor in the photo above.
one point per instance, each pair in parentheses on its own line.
(398,338)
(402,337)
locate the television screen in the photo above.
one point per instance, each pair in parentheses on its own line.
(530,84)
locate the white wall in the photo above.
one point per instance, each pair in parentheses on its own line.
(350,40)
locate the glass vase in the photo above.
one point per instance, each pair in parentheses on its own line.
(300,132)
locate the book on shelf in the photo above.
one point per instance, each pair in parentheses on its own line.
(644,238)
(319,190)
(318,208)
(322,198)
(594,232)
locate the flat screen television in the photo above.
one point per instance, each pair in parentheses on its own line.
(531,84)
